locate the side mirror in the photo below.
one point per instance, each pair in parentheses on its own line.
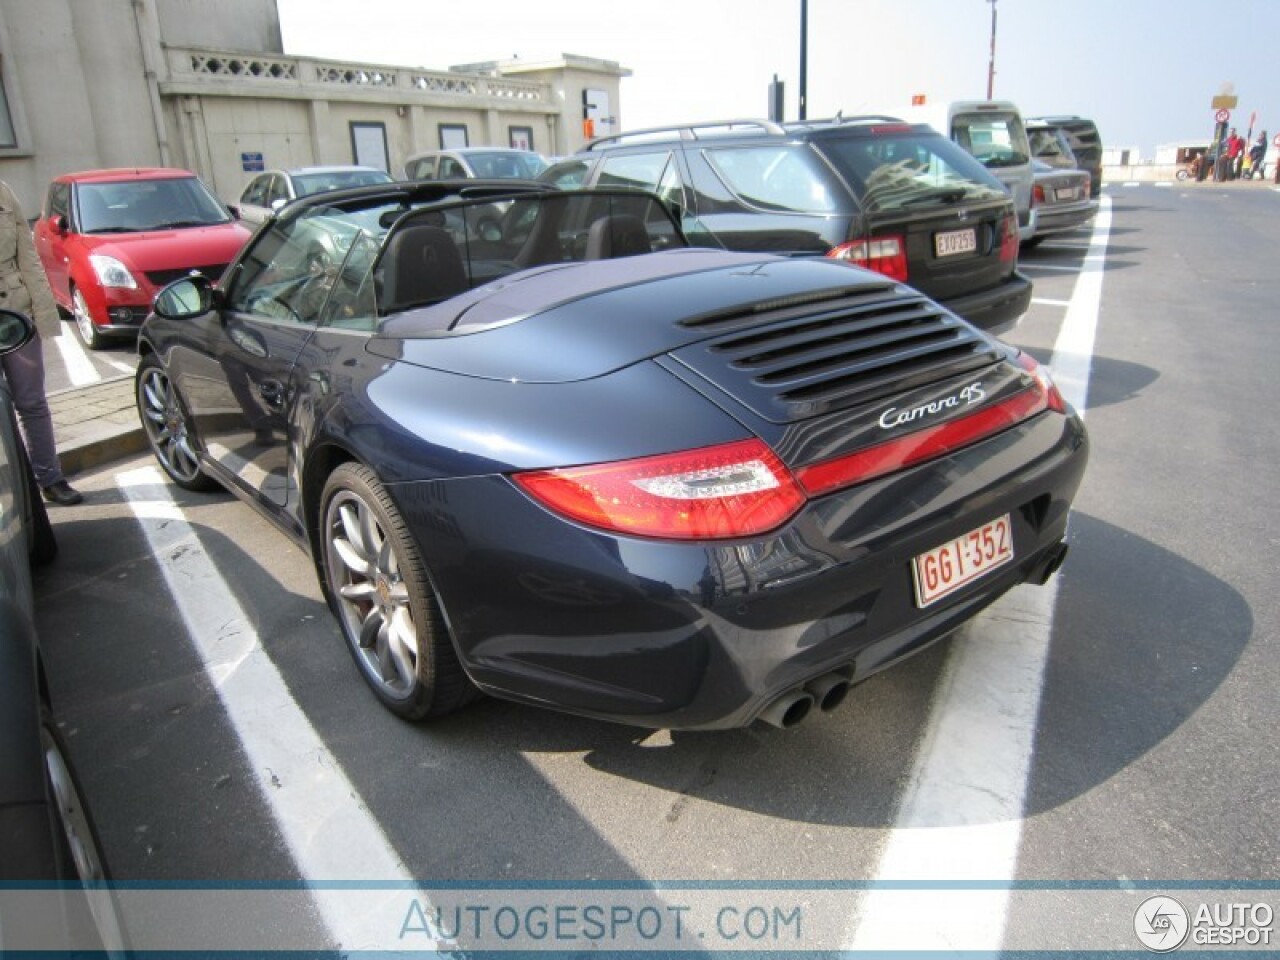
(234,210)
(59,224)
(185,299)
(16,330)
(278,202)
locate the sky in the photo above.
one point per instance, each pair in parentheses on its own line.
(1144,71)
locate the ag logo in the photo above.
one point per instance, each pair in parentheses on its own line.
(1161,923)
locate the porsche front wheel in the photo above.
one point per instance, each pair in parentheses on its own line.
(168,429)
(378,589)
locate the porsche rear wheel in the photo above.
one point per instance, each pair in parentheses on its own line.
(168,429)
(378,589)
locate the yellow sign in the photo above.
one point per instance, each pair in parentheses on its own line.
(1224,102)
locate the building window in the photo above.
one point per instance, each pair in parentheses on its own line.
(8,137)
(369,145)
(453,136)
(521,137)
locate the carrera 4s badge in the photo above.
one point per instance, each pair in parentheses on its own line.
(893,417)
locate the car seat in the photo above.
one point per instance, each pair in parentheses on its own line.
(420,266)
(619,235)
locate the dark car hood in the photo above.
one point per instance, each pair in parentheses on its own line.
(582,320)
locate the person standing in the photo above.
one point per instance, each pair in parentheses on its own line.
(1258,156)
(1235,153)
(25,288)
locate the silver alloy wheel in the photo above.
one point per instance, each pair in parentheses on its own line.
(84,323)
(82,844)
(373,599)
(166,426)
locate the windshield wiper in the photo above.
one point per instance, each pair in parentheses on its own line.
(116,230)
(174,224)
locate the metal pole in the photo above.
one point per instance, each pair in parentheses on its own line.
(804,59)
(991,64)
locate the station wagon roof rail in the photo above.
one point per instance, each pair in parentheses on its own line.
(690,131)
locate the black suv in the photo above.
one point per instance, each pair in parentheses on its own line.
(1086,144)
(895,197)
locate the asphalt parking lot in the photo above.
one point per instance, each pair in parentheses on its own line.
(1025,785)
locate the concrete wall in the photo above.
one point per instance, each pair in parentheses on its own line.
(198,84)
(228,24)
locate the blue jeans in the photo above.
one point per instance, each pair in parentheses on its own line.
(24,369)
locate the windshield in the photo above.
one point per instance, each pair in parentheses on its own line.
(135,206)
(306,184)
(348,267)
(894,173)
(501,165)
(996,139)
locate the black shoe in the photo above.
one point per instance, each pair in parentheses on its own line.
(61,492)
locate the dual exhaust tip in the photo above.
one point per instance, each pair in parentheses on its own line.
(829,690)
(825,692)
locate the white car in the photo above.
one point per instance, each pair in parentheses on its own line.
(272,189)
(475,163)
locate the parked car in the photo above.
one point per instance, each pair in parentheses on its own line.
(994,133)
(111,239)
(894,197)
(569,460)
(46,832)
(1050,146)
(480,163)
(1086,145)
(272,189)
(1062,201)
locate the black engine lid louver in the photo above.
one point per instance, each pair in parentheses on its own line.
(792,360)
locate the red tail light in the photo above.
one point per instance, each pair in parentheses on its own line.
(734,490)
(887,255)
(1037,195)
(1009,240)
(1044,383)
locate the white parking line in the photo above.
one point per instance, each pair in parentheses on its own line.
(1057,267)
(80,369)
(960,818)
(321,817)
(1046,302)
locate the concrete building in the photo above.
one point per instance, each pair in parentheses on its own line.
(116,83)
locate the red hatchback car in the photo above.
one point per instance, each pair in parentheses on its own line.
(111,239)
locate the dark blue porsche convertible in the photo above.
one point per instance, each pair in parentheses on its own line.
(537,446)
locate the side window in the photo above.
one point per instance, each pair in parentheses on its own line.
(59,200)
(569,175)
(255,193)
(424,169)
(451,169)
(352,304)
(288,273)
(781,178)
(638,171)
(278,190)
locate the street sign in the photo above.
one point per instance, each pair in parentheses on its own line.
(1225,102)
(252,162)
(1222,116)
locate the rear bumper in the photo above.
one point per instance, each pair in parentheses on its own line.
(1067,217)
(705,636)
(997,309)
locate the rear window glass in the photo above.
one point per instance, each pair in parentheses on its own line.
(996,139)
(899,172)
(784,177)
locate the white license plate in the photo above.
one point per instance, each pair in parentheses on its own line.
(1065,193)
(955,241)
(945,569)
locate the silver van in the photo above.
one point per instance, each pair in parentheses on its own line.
(993,131)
